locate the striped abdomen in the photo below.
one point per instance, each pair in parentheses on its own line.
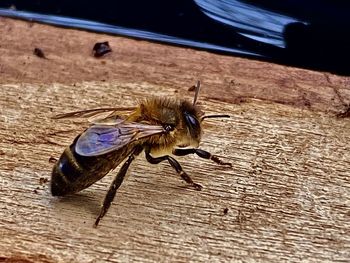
(73,172)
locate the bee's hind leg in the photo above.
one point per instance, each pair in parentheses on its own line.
(175,164)
(116,184)
(201,153)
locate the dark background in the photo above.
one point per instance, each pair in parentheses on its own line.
(322,44)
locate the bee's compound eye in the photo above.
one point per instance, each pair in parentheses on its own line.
(192,122)
(169,127)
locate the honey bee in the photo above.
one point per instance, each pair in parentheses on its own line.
(157,126)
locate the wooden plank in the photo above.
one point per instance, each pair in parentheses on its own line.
(287,195)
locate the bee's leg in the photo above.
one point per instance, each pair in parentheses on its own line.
(175,164)
(116,184)
(202,154)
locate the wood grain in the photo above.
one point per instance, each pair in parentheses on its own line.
(287,195)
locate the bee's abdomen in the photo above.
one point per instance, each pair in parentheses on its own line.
(73,172)
(66,172)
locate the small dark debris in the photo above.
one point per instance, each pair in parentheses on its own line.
(101,48)
(307,103)
(39,53)
(344,114)
(225,211)
(43,180)
(192,88)
(35,191)
(52,160)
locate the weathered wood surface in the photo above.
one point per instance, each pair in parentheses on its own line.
(288,194)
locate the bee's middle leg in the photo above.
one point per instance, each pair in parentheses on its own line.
(175,164)
(116,184)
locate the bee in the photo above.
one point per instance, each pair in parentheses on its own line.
(160,127)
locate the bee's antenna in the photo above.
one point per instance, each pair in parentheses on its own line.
(215,116)
(196,92)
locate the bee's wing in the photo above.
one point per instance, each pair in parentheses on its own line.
(101,139)
(94,115)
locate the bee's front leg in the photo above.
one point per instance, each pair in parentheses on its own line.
(201,153)
(175,164)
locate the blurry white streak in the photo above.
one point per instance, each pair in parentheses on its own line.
(251,21)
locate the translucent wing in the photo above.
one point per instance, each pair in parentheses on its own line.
(101,139)
(95,115)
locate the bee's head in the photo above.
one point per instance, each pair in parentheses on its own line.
(180,119)
(191,116)
(190,125)
(191,119)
